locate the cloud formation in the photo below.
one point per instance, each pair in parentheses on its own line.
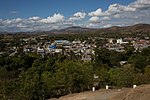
(77,16)
(94,19)
(116,15)
(141,4)
(56,18)
(33,23)
(98,12)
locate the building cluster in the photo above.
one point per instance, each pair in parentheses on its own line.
(65,47)
(82,48)
(119,44)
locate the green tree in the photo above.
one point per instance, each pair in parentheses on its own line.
(103,75)
(74,75)
(123,76)
(147,74)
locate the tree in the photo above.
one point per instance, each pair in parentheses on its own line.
(141,59)
(122,77)
(31,85)
(103,75)
(50,86)
(147,74)
(139,79)
(102,57)
(74,75)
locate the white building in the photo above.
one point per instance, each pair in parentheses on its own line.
(120,41)
(40,50)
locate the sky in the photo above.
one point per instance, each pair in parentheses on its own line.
(45,15)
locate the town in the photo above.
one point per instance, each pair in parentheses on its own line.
(83,48)
(75,50)
(53,65)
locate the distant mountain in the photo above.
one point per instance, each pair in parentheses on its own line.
(79,29)
(126,29)
(74,29)
(138,28)
(144,28)
(134,28)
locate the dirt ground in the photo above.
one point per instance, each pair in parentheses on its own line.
(139,93)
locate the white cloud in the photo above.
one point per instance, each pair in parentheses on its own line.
(105,18)
(77,16)
(98,12)
(106,26)
(119,8)
(112,9)
(13,21)
(94,19)
(140,4)
(53,19)
(91,25)
(20,25)
(115,15)
(35,18)
(7,21)
(34,23)
(18,20)
(1,20)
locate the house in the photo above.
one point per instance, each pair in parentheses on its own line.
(123,62)
(40,50)
(62,42)
(110,40)
(58,50)
(27,49)
(120,41)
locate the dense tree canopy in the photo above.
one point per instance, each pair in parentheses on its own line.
(33,77)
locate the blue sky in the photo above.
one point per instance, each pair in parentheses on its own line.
(32,15)
(44,8)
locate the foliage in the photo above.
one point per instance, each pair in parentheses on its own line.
(147,74)
(141,60)
(122,77)
(33,77)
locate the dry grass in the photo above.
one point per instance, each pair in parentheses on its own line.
(139,93)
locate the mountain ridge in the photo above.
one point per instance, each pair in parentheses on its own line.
(145,28)
(133,28)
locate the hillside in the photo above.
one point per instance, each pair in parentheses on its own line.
(144,28)
(138,28)
(73,29)
(134,28)
(140,93)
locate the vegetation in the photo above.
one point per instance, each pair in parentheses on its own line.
(32,77)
